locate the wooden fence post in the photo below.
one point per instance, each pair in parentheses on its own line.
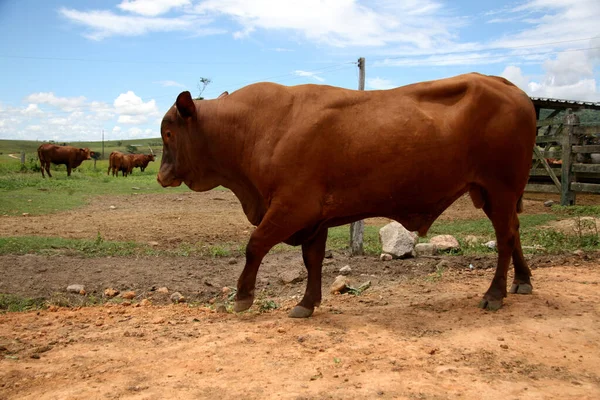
(567,196)
(357,228)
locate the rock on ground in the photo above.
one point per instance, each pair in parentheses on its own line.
(425,249)
(345,270)
(340,283)
(75,288)
(397,240)
(177,298)
(445,242)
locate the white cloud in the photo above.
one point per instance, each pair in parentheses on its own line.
(515,75)
(552,21)
(104,24)
(151,8)
(133,110)
(58,121)
(313,75)
(379,84)
(339,23)
(32,110)
(63,103)
(116,129)
(576,88)
(170,84)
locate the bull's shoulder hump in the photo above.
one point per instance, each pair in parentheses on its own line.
(267,89)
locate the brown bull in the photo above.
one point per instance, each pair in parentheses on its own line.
(305,158)
(141,161)
(118,161)
(70,156)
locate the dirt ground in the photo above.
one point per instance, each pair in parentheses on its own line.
(190,217)
(415,333)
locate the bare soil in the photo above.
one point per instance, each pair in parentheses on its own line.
(416,333)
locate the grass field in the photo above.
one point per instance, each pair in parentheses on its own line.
(20,185)
(23,190)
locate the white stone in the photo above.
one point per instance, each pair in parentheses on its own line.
(445,242)
(396,240)
(491,244)
(75,288)
(425,249)
(386,257)
(345,270)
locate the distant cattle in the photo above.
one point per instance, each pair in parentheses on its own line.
(141,160)
(70,156)
(120,162)
(305,158)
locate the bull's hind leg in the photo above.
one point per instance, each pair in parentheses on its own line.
(522,280)
(502,211)
(48,169)
(313,253)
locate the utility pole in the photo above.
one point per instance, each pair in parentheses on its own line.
(357,228)
(103,144)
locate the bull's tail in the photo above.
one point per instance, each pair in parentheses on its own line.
(520,205)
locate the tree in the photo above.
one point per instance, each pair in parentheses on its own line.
(204,82)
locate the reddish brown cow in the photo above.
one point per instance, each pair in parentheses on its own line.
(118,161)
(70,156)
(141,161)
(305,158)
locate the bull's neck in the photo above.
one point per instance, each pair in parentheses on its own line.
(228,139)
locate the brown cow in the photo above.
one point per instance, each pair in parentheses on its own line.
(70,156)
(118,161)
(141,161)
(305,158)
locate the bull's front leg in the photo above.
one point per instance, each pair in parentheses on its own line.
(277,225)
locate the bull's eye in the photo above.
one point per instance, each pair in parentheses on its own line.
(168,134)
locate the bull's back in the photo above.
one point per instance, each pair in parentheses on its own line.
(428,140)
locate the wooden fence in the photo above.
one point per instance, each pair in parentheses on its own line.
(566,159)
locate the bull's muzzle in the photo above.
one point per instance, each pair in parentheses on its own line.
(166,181)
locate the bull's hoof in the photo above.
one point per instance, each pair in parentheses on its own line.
(521,288)
(301,312)
(490,305)
(243,305)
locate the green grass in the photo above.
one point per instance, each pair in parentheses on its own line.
(28,192)
(80,247)
(13,303)
(339,239)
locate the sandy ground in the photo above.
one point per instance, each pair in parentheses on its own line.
(417,339)
(416,333)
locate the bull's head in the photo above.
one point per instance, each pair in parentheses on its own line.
(176,124)
(183,158)
(86,153)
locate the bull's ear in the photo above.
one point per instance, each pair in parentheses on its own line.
(185,105)
(225,93)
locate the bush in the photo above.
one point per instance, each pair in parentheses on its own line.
(32,164)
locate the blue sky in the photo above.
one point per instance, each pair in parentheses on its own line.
(71,69)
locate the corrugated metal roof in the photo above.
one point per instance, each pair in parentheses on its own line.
(561,103)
